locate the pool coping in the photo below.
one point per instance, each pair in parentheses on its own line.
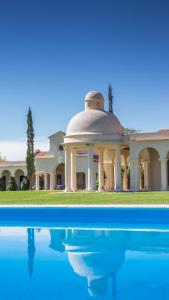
(84,206)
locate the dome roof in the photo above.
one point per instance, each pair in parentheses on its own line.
(94,95)
(94,100)
(94,122)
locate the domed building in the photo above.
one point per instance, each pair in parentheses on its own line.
(96,154)
(98,132)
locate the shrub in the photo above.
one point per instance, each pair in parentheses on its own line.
(25,184)
(97,181)
(12,184)
(2,184)
(41,183)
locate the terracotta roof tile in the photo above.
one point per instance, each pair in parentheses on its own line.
(42,153)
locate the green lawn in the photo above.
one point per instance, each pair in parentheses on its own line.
(54,197)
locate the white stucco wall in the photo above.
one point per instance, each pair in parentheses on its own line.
(49,162)
(162,146)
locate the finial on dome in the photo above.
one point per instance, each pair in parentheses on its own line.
(94,100)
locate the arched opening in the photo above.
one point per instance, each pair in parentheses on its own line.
(19,175)
(116,170)
(81,181)
(60,176)
(5,178)
(150,169)
(109,170)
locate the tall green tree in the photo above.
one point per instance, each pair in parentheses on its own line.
(30,161)
(110,98)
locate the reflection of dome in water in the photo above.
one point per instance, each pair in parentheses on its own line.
(97,287)
(97,267)
(96,257)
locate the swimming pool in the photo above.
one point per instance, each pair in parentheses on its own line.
(84,253)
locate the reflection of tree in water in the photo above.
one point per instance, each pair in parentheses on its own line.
(31,250)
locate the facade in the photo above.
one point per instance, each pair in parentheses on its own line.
(95,154)
(9,169)
(50,166)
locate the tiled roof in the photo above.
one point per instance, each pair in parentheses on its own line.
(42,153)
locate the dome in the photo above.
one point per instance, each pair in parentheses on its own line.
(94,95)
(94,122)
(94,100)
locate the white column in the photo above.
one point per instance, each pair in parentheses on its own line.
(90,169)
(67,170)
(45,181)
(117,169)
(109,183)
(134,175)
(52,180)
(164,179)
(146,164)
(37,181)
(73,171)
(101,171)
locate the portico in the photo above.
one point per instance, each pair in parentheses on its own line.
(113,173)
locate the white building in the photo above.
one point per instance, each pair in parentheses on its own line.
(95,153)
(9,169)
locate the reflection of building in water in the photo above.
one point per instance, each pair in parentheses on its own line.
(31,250)
(98,255)
(57,239)
(150,241)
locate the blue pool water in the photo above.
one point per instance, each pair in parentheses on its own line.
(45,256)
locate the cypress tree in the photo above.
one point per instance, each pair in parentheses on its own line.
(110,98)
(30,164)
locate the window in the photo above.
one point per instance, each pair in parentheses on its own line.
(60,148)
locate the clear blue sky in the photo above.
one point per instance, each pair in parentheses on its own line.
(53,52)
